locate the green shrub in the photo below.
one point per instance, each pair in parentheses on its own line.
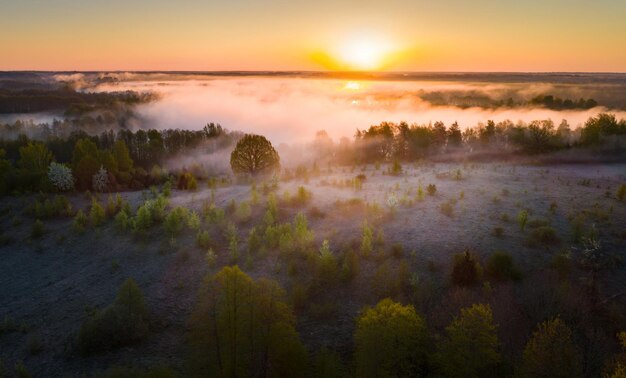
(233,241)
(431,189)
(143,219)
(214,215)
(302,196)
(522,219)
(203,239)
(254,241)
(59,206)
(243,213)
(38,229)
(97,214)
(501,267)
(396,168)
(420,193)
(175,221)
(367,239)
(538,222)
(122,221)
(121,324)
(466,271)
(302,235)
(327,265)
(543,236)
(210,258)
(193,221)
(80,222)
(187,181)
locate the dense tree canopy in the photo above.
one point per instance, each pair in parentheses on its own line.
(390,341)
(244,328)
(254,154)
(470,348)
(551,352)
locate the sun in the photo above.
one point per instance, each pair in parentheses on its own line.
(359,51)
(364,52)
(362,55)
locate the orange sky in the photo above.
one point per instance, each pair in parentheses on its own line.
(411,35)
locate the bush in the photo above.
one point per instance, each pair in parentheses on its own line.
(203,239)
(243,212)
(121,324)
(122,221)
(538,222)
(210,258)
(233,242)
(96,213)
(175,221)
(498,232)
(522,219)
(80,222)
(38,229)
(543,235)
(302,196)
(447,209)
(187,181)
(466,271)
(431,189)
(501,267)
(59,206)
(396,168)
(367,240)
(60,176)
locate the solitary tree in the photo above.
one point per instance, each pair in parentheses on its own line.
(254,154)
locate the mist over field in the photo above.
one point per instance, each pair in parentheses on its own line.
(293,109)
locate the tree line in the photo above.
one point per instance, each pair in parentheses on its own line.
(390,141)
(126,159)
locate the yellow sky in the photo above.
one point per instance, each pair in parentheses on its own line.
(406,35)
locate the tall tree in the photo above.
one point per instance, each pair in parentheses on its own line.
(254,154)
(33,165)
(390,341)
(551,352)
(470,348)
(243,328)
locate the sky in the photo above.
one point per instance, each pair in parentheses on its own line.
(395,35)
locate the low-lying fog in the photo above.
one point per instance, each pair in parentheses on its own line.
(293,109)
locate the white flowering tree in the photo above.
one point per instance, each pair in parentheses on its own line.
(100,180)
(60,176)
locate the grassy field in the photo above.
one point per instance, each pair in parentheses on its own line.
(419,216)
